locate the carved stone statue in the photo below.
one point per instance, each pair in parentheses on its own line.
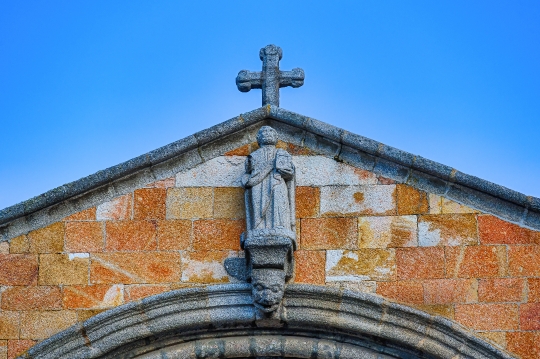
(270,187)
(270,239)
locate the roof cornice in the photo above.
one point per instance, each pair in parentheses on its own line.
(351,148)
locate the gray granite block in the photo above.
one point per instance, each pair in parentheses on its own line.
(432,168)
(360,143)
(391,169)
(532,219)
(288,117)
(323,129)
(396,155)
(427,183)
(173,149)
(357,158)
(322,145)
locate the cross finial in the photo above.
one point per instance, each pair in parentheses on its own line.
(270,79)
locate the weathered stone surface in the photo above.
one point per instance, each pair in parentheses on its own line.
(498,338)
(18,269)
(533,285)
(501,290)
(187,203)
(229,202)
(174,234)
(420,263)
(222,171)
(18,347)
(118,209)
(523,261)
(205,266)
(139,291)
(307,201)
(387,232)
(131,236)
(447,230)
(56,269)
(217,234)
(19,244)
(43,324)
(85,215)
(488,316)
(449,206)
(524,344)
(164,183)
(529,316)
(84,237)
(496,231)
(310,267)
(360,265)
(329,233)
(358,200)
(32,297)
(132,268)
(93,296)
(9,324)
(149,203)
(47,240)
(324,171)
(402,291)
(410,200)
(449,291)
(476,261)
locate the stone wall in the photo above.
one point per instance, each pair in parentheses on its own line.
(356,230)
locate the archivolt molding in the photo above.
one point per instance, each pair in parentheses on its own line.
(222,322)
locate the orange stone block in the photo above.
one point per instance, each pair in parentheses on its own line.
(9,325)
(4,247)
(524,344)
(3,349)
(136,292)
(411,201)
(307,202)
(310,267)
(56,269)
(174,234)
(404,292)
(229,202)
(86,215)
(523,261)
(501,290)
(118,209)
(205,266)
(360,265)
(43,324)
(488,316)
(240,151)
(131,236)
(476,261)
(449,291)
(18,347)
(529,316)
(47,240)
(18,269)
(419,263)
(496,231)
(190,202)
(84,237)
(84,314)
(20,244)
(533,295)
(28,298)
(447,230)
(217,234)
(93,296)
(149,203)
(437,309)
(329,233)
(497,338)
(164,183)
(133,268)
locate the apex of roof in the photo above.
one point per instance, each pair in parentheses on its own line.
(340,144)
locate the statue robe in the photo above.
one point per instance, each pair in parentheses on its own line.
(269,184)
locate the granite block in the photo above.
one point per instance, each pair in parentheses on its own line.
(427,183)
(390,169)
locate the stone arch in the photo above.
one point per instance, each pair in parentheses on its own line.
(221,322)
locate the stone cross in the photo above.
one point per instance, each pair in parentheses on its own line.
(270,79)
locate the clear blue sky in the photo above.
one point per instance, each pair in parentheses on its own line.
(85,85)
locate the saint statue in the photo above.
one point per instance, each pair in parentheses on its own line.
(270,187)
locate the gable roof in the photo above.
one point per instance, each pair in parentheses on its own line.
(329,140)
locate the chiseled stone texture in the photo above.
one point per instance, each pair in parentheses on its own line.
(356,230)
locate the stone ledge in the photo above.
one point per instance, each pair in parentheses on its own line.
(226,311)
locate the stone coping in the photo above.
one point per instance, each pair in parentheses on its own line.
(153,327)
(345,146)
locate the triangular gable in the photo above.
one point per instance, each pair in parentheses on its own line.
(333,142)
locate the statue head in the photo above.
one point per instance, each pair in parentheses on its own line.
(267,136)
(268,287)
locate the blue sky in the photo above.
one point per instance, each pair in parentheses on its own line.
(85,85)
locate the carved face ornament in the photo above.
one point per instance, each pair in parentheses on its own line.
(267,136)
(268,288)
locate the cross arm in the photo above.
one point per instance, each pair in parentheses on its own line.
(246,80)
(294,78)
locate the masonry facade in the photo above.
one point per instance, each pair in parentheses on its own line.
(357,228)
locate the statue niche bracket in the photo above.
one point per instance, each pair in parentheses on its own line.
(270,239)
